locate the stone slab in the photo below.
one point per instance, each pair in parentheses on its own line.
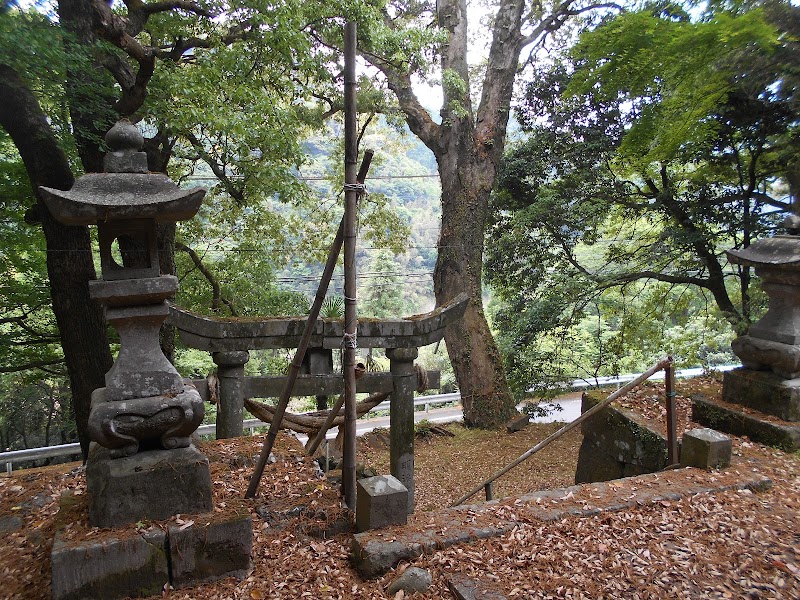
(209,551)
(706,449)
(706,411)
(154,484)
(132,292)
(376,552)
(518,423)
(380,501)
(763,391)
(464,588)
(129,564)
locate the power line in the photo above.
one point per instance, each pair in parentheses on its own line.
(318,177)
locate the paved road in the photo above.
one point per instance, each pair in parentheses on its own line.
(570,410)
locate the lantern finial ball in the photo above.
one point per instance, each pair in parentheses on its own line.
(124,142)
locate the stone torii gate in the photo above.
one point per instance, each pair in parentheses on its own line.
(230,340)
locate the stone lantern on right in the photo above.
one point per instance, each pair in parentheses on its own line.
(767,386)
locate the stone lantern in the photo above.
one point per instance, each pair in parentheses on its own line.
(145,405)
(773,343)
(767,386)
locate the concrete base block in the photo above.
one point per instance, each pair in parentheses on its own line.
(130,564)
(763,391)
(207,552)
(150,485)
(381,501)
(706,449)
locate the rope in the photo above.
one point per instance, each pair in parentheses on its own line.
(355,187)
(422,377)
(349,340)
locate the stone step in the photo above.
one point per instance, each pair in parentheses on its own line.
(736,420)
(377,551)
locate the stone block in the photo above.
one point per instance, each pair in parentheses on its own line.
(132,292)
(617,443)
(411,580)
(464,588)
(518,423)
(763,391)
(706,449)
(154,484)
(129,564)
(209,551)
(380,501)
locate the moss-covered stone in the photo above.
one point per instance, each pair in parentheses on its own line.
(210,551)
(708,412)
(130,564)
(617,443)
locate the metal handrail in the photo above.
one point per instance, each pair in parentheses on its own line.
(487,484)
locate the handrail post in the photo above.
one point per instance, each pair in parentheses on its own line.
(672,435)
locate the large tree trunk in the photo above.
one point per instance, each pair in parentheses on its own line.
(468,146)
(466,184)
(469,150)
(69,254)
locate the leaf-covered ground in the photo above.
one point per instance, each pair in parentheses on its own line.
(727,545)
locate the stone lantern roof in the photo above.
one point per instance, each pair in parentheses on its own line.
(125,191)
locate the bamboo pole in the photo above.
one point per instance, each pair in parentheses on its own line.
(662,364)
(294,368)
(350,310)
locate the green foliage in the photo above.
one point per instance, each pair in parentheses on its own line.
(672,71)
(646,158)
(35,412)
(28,332)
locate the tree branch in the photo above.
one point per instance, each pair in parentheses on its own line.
(217,300)
(216,168)
(621,279)
(139,12)
(419,120)
(37,364)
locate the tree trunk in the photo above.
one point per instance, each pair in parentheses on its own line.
(69,254)
(469,148)
(90,89)
(477,363)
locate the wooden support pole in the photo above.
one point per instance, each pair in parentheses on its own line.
(297,362)
(350,312)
